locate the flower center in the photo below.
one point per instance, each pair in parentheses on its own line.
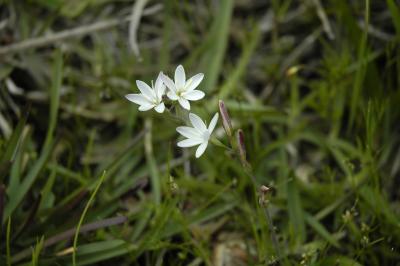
(206,135)
(185,87)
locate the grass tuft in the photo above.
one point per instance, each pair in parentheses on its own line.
(309,171)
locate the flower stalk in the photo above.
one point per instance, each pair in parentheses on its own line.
(239,147)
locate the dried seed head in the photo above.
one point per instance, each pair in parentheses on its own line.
(226,120)
(264,189)
(365,241)
(262,199)
(347,217)
(173,186)
(365,228)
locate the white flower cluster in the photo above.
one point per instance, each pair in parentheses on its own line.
(183,91)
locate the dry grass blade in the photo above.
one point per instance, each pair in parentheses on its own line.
(70,33)
(137,11)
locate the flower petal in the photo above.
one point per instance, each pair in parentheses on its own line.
(160,108)
(145,107)
(194,81)
(193,95)
(184,103)
(161,91)
(213,122)
(168,82)
(189,132)
(180,77)
(172,95)
(200,150)
(145,89)
(189,143)
(137,98)
(159,87)
(197,122)
(159,80)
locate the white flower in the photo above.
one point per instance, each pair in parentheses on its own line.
(150,97)
(199,134)
(183,90)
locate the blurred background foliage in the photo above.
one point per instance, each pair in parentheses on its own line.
(313,84)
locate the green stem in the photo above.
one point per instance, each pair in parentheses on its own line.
(8,242)
(249,171)
(83,216)
(268,218)
(218,143)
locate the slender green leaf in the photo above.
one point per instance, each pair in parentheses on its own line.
(296,216)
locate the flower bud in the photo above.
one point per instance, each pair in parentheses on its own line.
(241,146)
(293,70)
(226,120)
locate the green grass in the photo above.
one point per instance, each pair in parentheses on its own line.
(320,119)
